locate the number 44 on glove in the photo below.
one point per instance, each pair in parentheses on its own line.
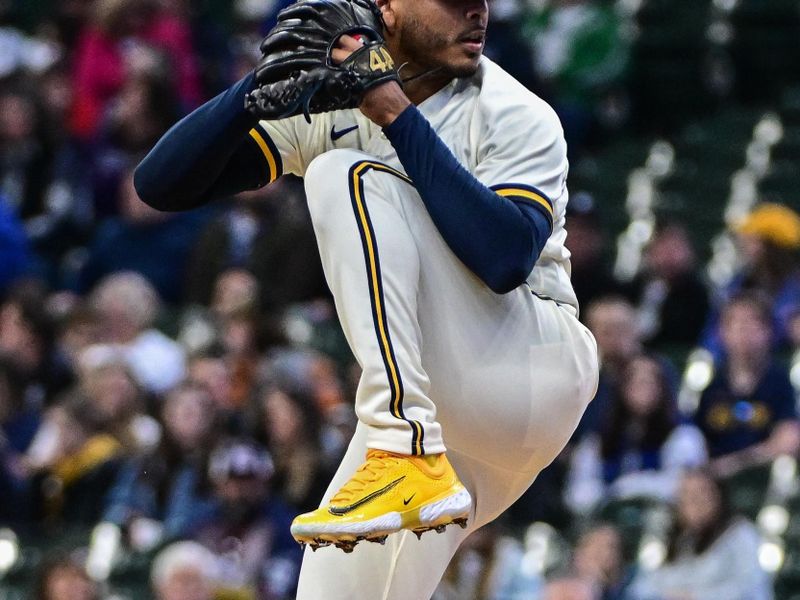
(297,73)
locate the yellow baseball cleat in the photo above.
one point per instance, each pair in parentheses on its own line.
(388,493)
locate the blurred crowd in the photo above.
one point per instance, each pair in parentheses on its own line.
(178,383)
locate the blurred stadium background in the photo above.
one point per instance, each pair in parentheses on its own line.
(173,388)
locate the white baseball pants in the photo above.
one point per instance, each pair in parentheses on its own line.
(503,379)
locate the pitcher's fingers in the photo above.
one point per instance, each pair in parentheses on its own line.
(345,46)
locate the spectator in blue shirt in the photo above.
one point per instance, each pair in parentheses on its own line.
(747,412)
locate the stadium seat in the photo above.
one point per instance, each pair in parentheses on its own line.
(787,581)
(782,183)
(747,490)
(790,106)
(765,48)
(789,147)
(630,517)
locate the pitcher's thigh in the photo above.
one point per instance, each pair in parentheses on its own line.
(514,397)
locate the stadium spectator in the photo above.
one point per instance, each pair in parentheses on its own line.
(128,37)
(641,446)
(43,182)
(113,399)
(127,306)
(669,295)
(26,339)
(238,322)
(489,566)
(612,321)
(248,528)
(227,331)
(267,232)
(72,465)
(76,327)
(184,570)
(291,424)
(747,413)
(235,291)
(139,114)
(711,553)
(215,372)
(64,578)
(164,494)
(24,161)
(65,219)
(142,240)
(598,560)
(769,243)
(225,243)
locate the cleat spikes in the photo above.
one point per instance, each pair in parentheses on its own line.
(346,546)
(461,523)
(381,539)
(440,529)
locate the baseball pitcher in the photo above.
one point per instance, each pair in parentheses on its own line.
(437,189)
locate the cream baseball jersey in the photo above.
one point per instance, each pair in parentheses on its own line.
(506,136)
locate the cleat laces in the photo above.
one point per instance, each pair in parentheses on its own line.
(376,464)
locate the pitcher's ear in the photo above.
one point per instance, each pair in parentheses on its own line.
(387,11)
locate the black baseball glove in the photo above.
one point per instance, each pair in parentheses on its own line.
(297,74)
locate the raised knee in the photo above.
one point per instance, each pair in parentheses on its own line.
(327,188)
(332,166)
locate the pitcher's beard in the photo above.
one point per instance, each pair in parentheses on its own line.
(420,43)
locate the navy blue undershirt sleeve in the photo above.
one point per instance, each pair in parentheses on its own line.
(499,239)
(206,155)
